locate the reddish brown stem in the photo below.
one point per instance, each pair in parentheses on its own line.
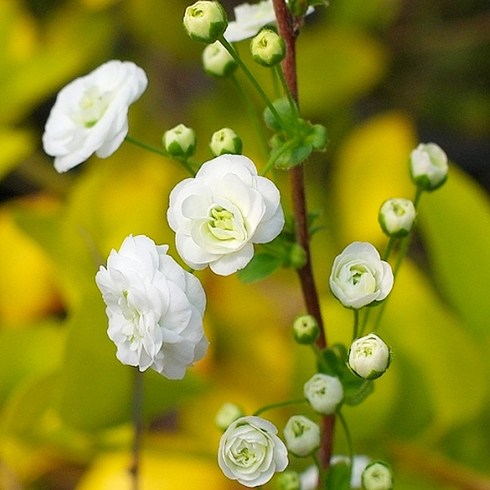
(288,29)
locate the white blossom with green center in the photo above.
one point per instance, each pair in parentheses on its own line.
(397,216)
(251,452)
(369,356)
(428,166)
(324,393)
(359,276)
(218,215)
(154,307)
(90,114)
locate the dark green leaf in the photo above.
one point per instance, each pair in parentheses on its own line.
(261,266)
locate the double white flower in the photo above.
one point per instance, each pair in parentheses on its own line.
(219,214)
(154,307)
(90,114)
(250,451)
(359,276)
(369,356)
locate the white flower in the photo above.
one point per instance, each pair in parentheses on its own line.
(359,276)
(154,307)
(219,214)
(250,451)
(369,356)
(302,436)
(324,393)
(250,18)
(428,166)
(90,114)
(225,141)
(377,476)
(228,413)
(180,141)
(397,216)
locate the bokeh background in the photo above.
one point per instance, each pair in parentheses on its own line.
(381,75)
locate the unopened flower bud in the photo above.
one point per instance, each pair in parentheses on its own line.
(227,414)
(369,356)
(324,393)
(377,476)
(302,436)
(428,166)
(225,141)
(180,141)
(205,21)
(217,61)
(268,48)
(297,256)
(397,217)
(305,329)
(289,480)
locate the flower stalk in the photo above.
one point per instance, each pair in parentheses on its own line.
(310,294)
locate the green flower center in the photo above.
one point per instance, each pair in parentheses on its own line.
(92,107)
(221,219)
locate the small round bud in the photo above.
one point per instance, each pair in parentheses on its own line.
(217,61)
(324,393)
(428,166)
(297,256)
(305,329)
(289,480)
(225,141)
(227,414)
(397,217)
(369,357)
(268,48)
(302,436)
(205,21)
(377,476)
(180,142)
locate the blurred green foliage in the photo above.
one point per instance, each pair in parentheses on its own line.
(379,75)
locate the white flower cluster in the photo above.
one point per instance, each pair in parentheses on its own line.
(90,114)
(154,307)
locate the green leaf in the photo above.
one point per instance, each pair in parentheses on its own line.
(286,113)
(455,224)
(338,477)
(261,266)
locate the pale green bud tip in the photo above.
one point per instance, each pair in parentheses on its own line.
(428,166)
(377,476)
(268,48)
(305,329)
(297,256)
(180,141)
(298,7)
(302,436)
(289,480)
(227,414)
(397,217)
(205,21)
(369,357)
(217,61)
(225,141)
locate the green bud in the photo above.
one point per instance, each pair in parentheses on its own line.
(397,217)
(297,256)
(180,142)
(289,480)
(268,48)
(225,141)
(377,476)
(428,166)
(305,329)
(302,436)
(205,21)
(217,61)
(227,414)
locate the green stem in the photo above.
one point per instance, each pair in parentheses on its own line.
(292,103)
(252,113)
(389,248)
(355,330)
(348,437)
(275,155)
(252,79)
(273,406)
(137,427)
(159,151)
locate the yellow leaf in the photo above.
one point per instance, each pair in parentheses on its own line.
(371,167)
